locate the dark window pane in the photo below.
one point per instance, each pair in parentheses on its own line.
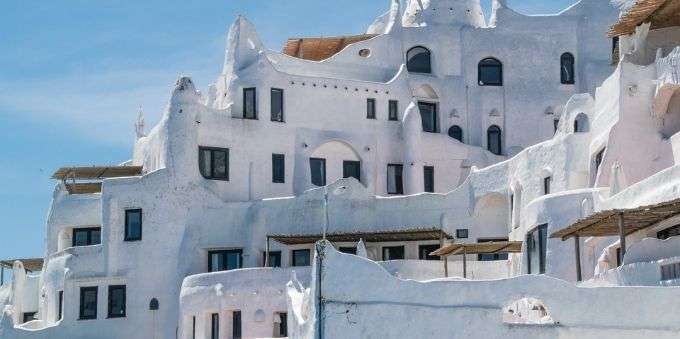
(393,253)
(205,162)
(669,232)
(80,237)
(233,260)
(494,140)
(283,327)
(348,250)
(456,132)
(220,164)
(236,325)
(88,303)
(116,301)
(418,60)
(462,233)
(224,260)
(318,171)
(28,316)
(277,104)
(370,109)
(274,258)
(395,184)
(249,103)
(60,311)
(490,72)
(428,177)
(567,68)
(214,163)
(425,250)
(278,168)
(301,257)
(428,114)
(215,326)
(351,169)
(393,110)
(133,225)
(495,256)
(546,184)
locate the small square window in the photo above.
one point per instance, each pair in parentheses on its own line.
(274,259)
(133,225)
(393,253)
(301,257)
(213,163)
(425,250)
(86,236)
(462,233)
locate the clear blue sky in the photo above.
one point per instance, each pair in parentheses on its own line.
(73,74)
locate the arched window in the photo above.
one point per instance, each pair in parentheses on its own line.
(456,132)
(418,60)
(567,69)
(581,124)
(490,72)
(493,140)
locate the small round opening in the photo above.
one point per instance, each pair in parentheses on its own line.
(365,53)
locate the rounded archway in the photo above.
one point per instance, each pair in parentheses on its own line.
(456,132)
(419,60)
(581,123)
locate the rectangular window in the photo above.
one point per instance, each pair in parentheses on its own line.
(536,249)
(318,170)
(670,271)
(348,250)
(249,103)
(87,236)
(370,108)
(669,232)
(428,177)
(88,303)
(28,316)
(351,169)
(133,225)
(215,326)
(393,108)
(236,325)
(428,114)
(225,260)
(395,184)
(281,325)
(546,185)
(278,168)
(425,250)
(301,257)
(60,310)
(494,256)
(556,123)
(277,104)
(117,301)
(393,253)
(598,160)
(193,327)
(214,163)
(274,258)
(462,233)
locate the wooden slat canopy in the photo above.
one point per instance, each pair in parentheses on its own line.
(84,188)
(96,172)
(30,264)
(317,49)
(385,236)
(605,223)
(479,248)
(660,13)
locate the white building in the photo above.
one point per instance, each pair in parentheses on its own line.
(229,176)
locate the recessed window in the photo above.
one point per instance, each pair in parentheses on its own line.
(428,179)
(133,225)
(395,184)
(351,169)
(318,171)
(581,124)
(281,325)
(536,244)
(117,301)
(462,233)
(418,60)
(215,326)
(546,185)
(493,140)
(668,232)
(274,259)
(456,132)
(370,108)
(393,110)
(490,72)
(493,256)
(348,250)
(29,316)
(278,168)
(364,53)
(225,260)
(428,115)
(249,103)
(556,123)
(214,163)
(393,253)
(236,325)
(88,303)
(86,236)
(598,160)
(301,257)
(60,310)
(276,104)
(425,250)
(567,69)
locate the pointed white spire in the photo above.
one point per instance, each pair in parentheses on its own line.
(617,179)
(388,22)
(361,249)
(139,124)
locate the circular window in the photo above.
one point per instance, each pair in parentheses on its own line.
(365,53)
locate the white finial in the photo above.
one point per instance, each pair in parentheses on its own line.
(361,249)
(139,124)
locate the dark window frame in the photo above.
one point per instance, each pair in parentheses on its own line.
(128,237)
(236,325)
(212,175)
(411,67)
(494,129)
(567,67)
(276,116)
(245,97)
(370,109)
(345,169)
(435,116)
(462,233)
(425,250)
(215,326)
(278,177)
(60,310)
(283,326)
(393,110)
(491,63)
(348,249)
(668,232)
(293,262)
(456,132)
(398,180)
(275,254)
(28,316)
(547,181)
(110,313)
(428,179)
(493,256)
(541,232)
(225,253)
(88,231)
(83,289)
(386,249)
(325,174)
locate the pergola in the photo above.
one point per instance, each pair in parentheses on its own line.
(659,13)
(73,177)
(616,222)
(30,265)
(492,247)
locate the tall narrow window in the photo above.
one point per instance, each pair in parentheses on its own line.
(88,303)
(546,185)
(425,250)
(581,124)
(116,301)
(281,321)
(456,132)
(493,140)
(60,310)
(225,260)
(193,327)
(351,169)
(393,110)
(274,259)
(536,249)
(370,108)
(395,184)
(567,69)
(494,256)
(277,104)
(556,123)
(249,103)
(278,168)
(133,224)
(86,236)
(428,114)
(214,163)
(318,171)
(236,325)
(615,50)
(428,179)
(392,253)
(215,326)
(490,72)
(418,60)
(301,257)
